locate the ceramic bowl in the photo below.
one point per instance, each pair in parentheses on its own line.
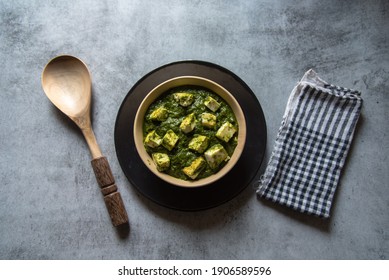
(188,81)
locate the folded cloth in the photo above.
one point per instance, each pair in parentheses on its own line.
(311,146)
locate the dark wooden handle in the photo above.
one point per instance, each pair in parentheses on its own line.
(112,197)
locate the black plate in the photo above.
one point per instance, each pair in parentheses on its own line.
(191,199)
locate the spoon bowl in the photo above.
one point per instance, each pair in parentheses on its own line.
(67,83)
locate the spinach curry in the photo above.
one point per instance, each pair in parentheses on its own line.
(190,132)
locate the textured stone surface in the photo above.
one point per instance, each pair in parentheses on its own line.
(50,204)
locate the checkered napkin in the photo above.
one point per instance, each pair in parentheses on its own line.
(311,146)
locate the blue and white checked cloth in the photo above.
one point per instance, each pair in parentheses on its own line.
(311,146)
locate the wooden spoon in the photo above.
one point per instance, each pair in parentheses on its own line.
(67,83)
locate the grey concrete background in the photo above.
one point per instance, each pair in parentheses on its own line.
(50,205)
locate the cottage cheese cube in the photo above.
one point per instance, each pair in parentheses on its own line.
(216,155)
(211,103)
(188,123)
(198,143)
(169,140)
(161,160)
(208,120)
(183,98)
(225,132)
(153,140)
(159,114)
(194,169)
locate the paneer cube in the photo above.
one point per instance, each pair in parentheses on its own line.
(208,120)
(161,160)
(183,98)
(194,169)
(169,140)
(198,143)
(211,103)
(159,114)
(153,140)
(216,155)
(225,132)
(188,123)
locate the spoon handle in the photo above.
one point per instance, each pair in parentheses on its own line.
(112,197)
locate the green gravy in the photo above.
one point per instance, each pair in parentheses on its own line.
(181,156)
